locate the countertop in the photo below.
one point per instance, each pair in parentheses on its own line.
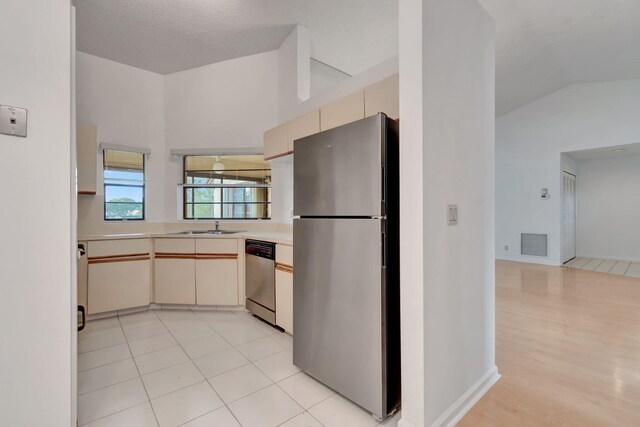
(269,236)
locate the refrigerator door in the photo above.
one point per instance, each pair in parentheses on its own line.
(338,172)
(337,307)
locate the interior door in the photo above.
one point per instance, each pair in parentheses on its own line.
(568,217)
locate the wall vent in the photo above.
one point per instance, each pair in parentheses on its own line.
(534,244)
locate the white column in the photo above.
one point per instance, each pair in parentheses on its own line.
(294,71)
(447,92)
(36,319)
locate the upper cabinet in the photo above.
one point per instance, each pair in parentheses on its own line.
(343,111)
(275,143)
(383,97)
(279,141)
(380,97)
(305,125)
(87,157)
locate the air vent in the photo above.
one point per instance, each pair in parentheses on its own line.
(533,244)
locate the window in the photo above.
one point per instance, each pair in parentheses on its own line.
(227,187)
(123,185)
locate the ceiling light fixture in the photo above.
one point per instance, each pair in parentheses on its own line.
(218,166)
(619,150)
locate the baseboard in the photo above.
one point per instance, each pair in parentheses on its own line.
(461,406)
(154,306)
(542,260)
(609,258)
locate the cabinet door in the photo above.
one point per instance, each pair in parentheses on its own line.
(275,142)
(345,110)
(284,299)
(383,97)
(87,158)
(305,125)
(175,280)
(115,285)
(217,281)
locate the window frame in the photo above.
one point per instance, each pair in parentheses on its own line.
(186,187)
(143,186)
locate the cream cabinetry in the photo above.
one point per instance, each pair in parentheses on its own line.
(278,141)
(87,158)
(216,272)
(275,142)
(380,97)
(383,97)
(175,271)
(284,287)
(305,125)
(343,111)
(119,274)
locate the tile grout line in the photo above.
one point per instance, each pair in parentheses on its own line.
(206,379)
(196,366)
(140,376)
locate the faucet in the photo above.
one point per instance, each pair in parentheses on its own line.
(217,225)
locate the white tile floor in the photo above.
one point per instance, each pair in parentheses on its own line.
(620,268)
(200,368)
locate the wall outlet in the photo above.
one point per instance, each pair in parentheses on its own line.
(506,247)
(13,121)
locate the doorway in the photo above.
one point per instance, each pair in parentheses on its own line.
(568,217)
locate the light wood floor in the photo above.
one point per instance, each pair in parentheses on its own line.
(568,349)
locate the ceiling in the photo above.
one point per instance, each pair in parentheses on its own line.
(165,36)
(541,46)
(616,152)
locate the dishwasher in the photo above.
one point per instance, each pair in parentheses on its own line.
(260,262)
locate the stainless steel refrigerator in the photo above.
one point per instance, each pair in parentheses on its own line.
(346,277)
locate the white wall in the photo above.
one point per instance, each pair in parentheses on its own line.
(529,141)
(447,99)
(609,208)
(324,77)
(126,104)
(223,105)
(36,320)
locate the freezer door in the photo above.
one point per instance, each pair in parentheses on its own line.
(339,172)
(337,306)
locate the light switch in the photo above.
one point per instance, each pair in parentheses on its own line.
(452,212)
(13,121)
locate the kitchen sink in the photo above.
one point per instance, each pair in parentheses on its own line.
(195,232)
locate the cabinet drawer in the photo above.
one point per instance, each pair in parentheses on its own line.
(107,248)
(175,246)
(217,246)
(284,254)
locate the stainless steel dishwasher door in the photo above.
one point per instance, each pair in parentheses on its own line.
(260,287)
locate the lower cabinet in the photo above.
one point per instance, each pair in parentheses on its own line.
(217,271)
(217,281)
(119,275)
(118,285)
(284,298)
(175,280)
